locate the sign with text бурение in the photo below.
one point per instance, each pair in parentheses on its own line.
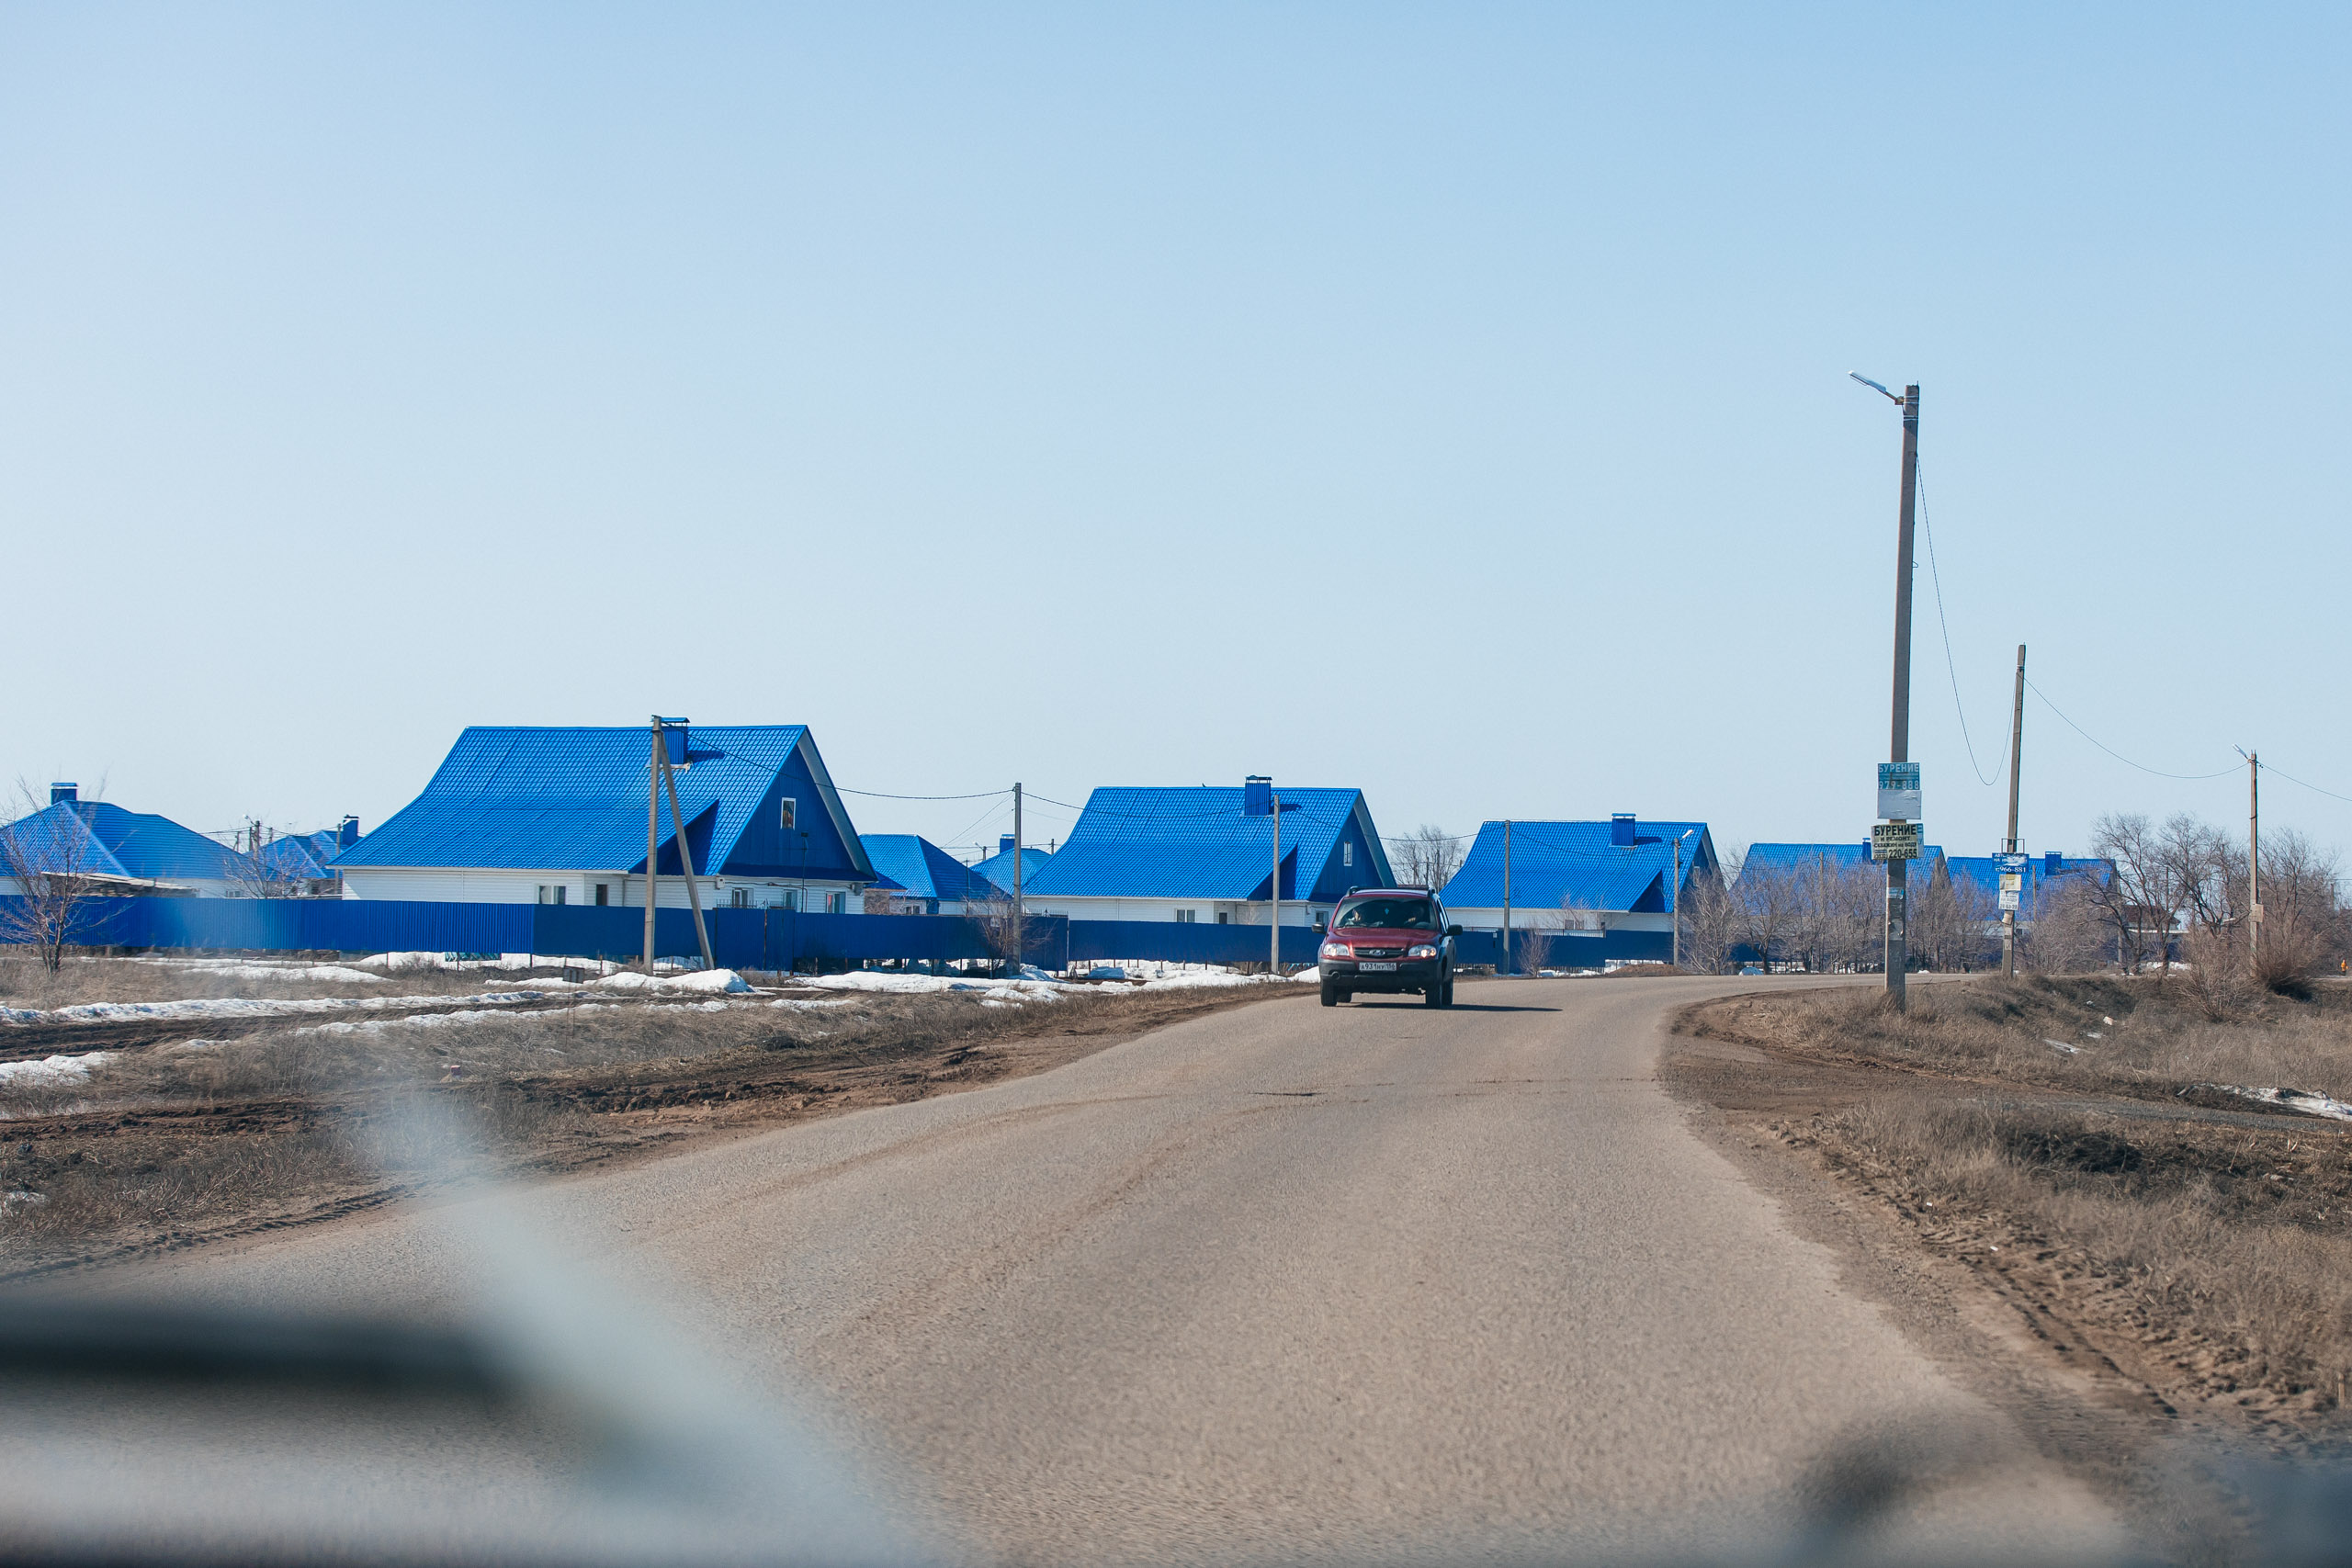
(1895,840)
(1898,791)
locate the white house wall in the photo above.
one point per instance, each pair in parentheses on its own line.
(1236,912)
(472,885)
(1524,919)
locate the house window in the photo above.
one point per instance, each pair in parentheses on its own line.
(1185,916)
(551,894)
(791,900)
(740,899)
(786,813)
(604,894)
(1348,854)
(1224,917)
(836,903)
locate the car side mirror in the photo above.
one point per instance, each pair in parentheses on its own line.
(1454,930)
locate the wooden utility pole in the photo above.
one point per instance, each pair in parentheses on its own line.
(2010,845)
(685,860)
(2253,859)
(652,832)
(1505,967)
(1898,871)
(1020,953)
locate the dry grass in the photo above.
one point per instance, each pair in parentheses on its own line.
(176,1142)
(2236,1248)
(25,983)
(2135,1037)
(2202,1242)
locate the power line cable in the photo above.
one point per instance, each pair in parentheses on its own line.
(878,795)
(1920,478)
(2119,756)
(2293,780)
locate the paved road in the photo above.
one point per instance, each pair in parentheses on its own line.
(1282,1282)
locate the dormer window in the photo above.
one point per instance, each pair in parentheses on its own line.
(787,809)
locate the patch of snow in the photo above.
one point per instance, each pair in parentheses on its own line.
(396,962)
(52,1072)
(2290,1099)
(724,980)
(814,1002)
(898,985)
(22,1199)
(338,973)
(1225,978)
(2062,1045)
(251,1007)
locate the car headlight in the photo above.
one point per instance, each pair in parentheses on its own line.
(1423,950)
(1337,949)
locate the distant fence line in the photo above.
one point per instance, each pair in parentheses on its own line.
(771,940)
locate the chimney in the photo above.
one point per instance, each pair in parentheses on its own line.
(64,794)
(346,833)
(2049,863)
(1004,843)
(1620,828)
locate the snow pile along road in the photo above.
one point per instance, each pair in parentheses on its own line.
(52,1072)
(251,1006)
(2300,1100)
(724,981)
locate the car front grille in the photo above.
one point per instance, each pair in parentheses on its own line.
(1380,953)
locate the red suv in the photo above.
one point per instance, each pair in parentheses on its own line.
(1390,939)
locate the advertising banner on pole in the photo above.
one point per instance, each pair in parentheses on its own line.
(1895,840)
(1898,791)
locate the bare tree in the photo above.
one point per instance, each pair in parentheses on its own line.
(1950,920)
(999,930)
(253,874)
(1712,923)
(1427,858)
(2142,898)
(1764,898)
(2068,932)
(51,860)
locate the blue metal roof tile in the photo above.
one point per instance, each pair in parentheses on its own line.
(924,870)
(1194,842)
(1575,864)
(575,799)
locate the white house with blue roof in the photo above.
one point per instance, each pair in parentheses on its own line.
(556,816)
(1580,878)
(111,850)
(1194,853)
(920,878)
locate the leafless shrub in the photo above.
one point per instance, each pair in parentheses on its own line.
(1712,923)
(2216,978)
(1951,920)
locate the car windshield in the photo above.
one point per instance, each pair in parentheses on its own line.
(1411,914)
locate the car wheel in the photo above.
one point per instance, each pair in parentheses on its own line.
(1435,996)
(1331,995)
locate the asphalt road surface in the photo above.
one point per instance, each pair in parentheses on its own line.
(1280,1284)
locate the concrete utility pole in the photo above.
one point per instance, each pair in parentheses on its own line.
(652,832)
(1275,887)
(1020,953)
(1898,871)
(1674,905)
(2253,859)
(1504,968)
(2010,845)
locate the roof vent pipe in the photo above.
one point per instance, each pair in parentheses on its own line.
(59,794)
(1004,843)
(1620,828)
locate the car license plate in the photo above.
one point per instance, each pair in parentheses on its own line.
(1377,968)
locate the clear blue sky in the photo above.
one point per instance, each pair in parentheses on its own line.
(1448,402)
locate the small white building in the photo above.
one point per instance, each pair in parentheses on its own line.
(522,816)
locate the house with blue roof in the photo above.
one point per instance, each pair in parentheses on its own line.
(1790,860)
(2036,873)
(309,857)
(920,878)
(1615,884)
(1194,853)
(558,816)
(113,851)
(997,867)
